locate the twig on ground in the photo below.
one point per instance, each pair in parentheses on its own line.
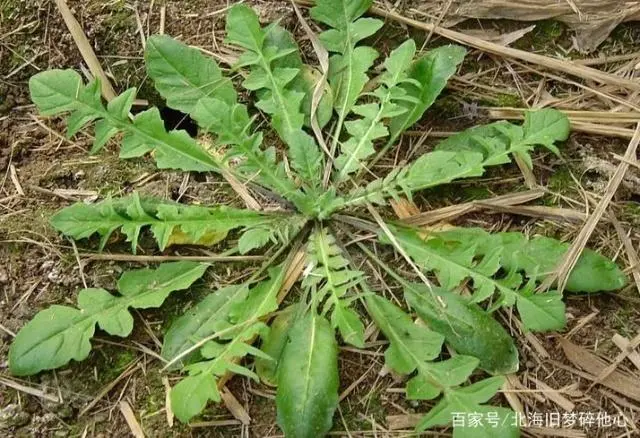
(571,256)
(166,258)
(85,48)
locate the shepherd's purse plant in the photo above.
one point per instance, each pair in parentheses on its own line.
(332,121)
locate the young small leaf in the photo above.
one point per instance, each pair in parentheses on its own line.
(308,379)
(59,334)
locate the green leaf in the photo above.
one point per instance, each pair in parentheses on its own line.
(430,170)
(348,67)
(272,55)
(273,344)
(473,253)
(306,82)
(539,256)
(410,344)
(253,238)
(231,344)
(279,40)
(542,312)
(412,348)
(464,404)
(207,317)
(464,155)
(307,393)
(59,334)
(348,323)
(465,326)
(170,223)
(453,261)
(282,230)
(282,103)
(190,396)
(541,128)
(332,278)
(472,420)
(306,159)
(454,372)
(233,127)
(545,127)
(369,128)
(430,73)
(59,91)
(183,75)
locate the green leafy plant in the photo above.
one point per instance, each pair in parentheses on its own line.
(465,274)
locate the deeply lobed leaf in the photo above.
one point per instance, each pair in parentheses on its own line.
(170,223)
(464,155)
(331,278)
(234,329)
(412,349)
(349,65)
(370,127)
(466,327)
(480,256)
(58,91)
(60,333)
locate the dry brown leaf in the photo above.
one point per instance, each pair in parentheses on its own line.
(581,358)
(603,15)
(234,406)
(131,419)
(568,67)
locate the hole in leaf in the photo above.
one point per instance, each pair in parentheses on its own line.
(174,119)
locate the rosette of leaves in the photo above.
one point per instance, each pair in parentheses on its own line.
(467,274)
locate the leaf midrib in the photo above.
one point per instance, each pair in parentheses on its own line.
(307,374)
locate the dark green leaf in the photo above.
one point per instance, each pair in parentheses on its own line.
(466,327)
(308,379)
